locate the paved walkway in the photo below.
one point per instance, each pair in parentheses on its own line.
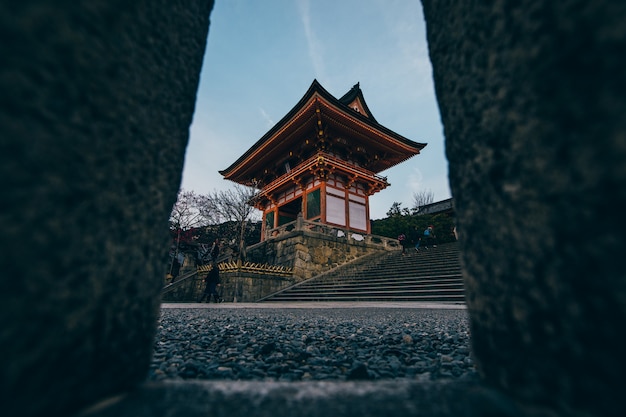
(322,304)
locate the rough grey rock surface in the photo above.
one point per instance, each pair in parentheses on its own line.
(96,101)
(312,345)
(309,399)
(531,95)
(97,98)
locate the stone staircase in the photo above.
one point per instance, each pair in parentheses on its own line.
(428,275)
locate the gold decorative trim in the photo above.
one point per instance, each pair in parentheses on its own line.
(249,267)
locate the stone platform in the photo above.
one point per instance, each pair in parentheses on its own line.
(306,399)
(399,397)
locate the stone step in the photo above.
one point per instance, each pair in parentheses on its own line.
(371,297)
(404,289)
(421,281)
(383,284)
(390,289)
(432,275)
(423,263)
(387,291)
(409,273)
(371,294)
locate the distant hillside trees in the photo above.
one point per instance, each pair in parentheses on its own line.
(420,199)
(402,220)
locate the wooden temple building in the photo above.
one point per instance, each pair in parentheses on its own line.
(322,160)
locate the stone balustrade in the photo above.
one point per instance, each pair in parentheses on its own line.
(332,231)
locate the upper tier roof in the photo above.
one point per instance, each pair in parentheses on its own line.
(319,121)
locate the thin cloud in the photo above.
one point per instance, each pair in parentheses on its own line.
(379,43)
(268,120)
(416,180)
(408,36)
(313,44)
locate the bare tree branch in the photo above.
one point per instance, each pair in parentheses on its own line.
(422,198)
(208,206)
(185,213)
(235,205)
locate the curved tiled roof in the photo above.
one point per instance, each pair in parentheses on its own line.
(319,112)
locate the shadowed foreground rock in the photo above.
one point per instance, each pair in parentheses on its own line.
(312,399)
(97,98)
(532,99)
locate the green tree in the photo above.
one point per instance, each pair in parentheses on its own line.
(395,210)
(413,226)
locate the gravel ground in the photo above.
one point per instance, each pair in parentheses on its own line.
(312,344)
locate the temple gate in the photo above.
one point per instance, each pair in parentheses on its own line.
(322,160)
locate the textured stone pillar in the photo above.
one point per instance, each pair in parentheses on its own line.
(532,97)
(97,98)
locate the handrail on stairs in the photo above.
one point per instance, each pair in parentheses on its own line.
(350,264)
(182,279)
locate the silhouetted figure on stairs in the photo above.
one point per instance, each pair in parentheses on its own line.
(212,280)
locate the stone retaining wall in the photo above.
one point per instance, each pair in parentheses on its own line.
(247,287)
(236,286)
(310,254)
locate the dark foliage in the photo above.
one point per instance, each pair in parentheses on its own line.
(413,226)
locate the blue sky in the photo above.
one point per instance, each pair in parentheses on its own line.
(262,56)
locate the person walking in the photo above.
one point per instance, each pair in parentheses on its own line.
(418,243)
(429,237)
(403,242)
(416,238)
(212,280)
